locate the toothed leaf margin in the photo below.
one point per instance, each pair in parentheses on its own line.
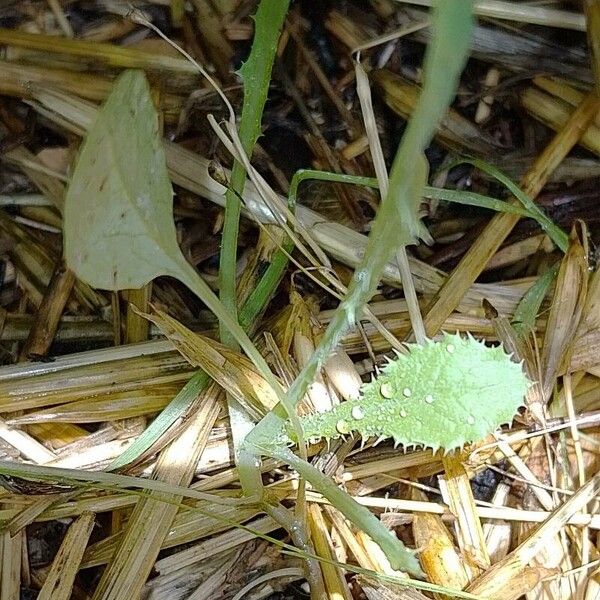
(441,394)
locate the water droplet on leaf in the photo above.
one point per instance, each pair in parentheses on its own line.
(342,427)
(386,390)
(357,413)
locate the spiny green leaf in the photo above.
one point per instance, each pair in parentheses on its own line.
(440,395)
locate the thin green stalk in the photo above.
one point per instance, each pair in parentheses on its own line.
(396,224)
(406,561)
(256,74)
(556,234)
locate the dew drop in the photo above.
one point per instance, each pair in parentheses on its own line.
(357,413)
(429,399)
(386,390)
(450,348)
(406,392)
(342,427)
(403,413)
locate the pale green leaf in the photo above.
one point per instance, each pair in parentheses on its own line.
(119,231)
(439,395)
(118,219)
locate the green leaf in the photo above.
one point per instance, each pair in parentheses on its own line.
(527,311)
(118,219)
(444,61)
(440,395)
(396,224)
(473,199)
(555,233)
(119,231)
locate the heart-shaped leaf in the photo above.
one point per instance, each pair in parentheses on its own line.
(118,219)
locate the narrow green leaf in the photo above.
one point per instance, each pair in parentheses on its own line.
(556,234)
(473,199)
(256,76)
(456,196)
(527,311)
(174,411)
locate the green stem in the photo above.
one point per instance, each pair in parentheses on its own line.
(555,233)
(396,224)
(369,523)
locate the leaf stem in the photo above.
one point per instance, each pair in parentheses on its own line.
(256,75)
(444,61)
(362,517)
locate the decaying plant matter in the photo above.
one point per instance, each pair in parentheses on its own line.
(269,283)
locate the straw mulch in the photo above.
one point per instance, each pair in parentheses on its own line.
(84,373)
